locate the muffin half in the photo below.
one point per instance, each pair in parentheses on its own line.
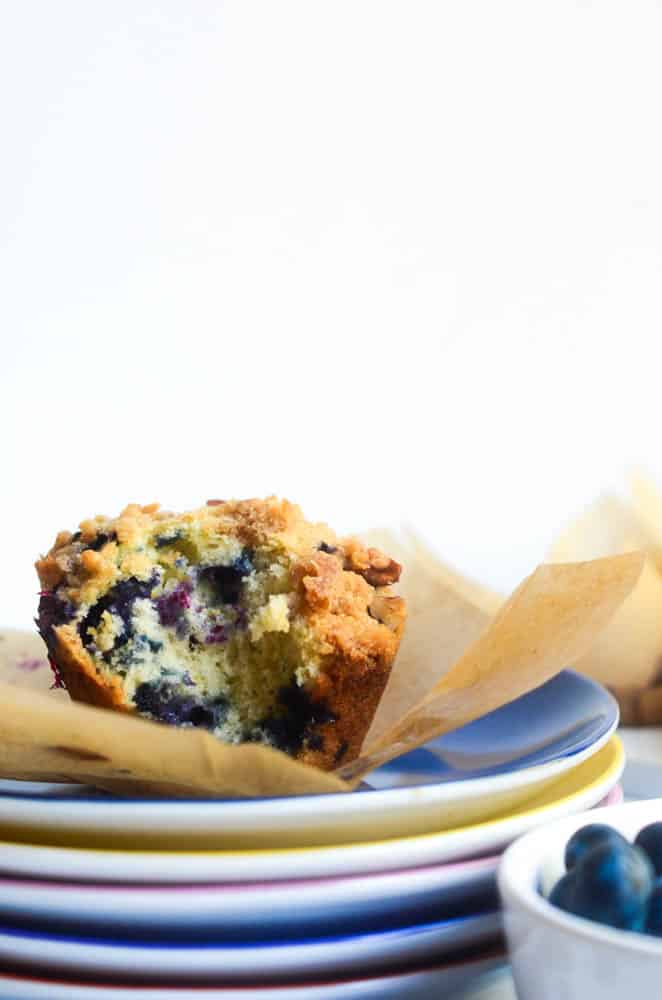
(240,617)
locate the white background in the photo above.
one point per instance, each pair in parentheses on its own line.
(393,260)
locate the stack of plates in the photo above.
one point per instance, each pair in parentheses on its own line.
(386,892)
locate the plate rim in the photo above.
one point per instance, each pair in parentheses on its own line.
(491,954)
(184,947)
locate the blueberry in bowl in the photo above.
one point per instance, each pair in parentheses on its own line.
(611,883)
(587,838)
(583,906)
(239,617)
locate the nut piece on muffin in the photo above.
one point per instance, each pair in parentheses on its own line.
(240,617)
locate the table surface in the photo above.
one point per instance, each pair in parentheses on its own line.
(642,779)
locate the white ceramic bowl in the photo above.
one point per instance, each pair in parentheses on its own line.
(556,956)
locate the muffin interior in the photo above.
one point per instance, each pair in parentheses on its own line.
(208,635)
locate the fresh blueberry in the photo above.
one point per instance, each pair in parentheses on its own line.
(649,839)
(562,894)
(612,884)
(654,915)
(588,837)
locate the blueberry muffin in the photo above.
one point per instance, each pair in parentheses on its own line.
(240,617)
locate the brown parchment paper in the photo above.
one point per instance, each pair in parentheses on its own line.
(549,622)
(24,663)
(455,665)
(627,653)
(646,501)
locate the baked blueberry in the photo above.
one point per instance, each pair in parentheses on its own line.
(117,602)
(161,541)
(172,604)
(296,719)
(53,611)
(101,540)
(216,634)
(165,703)
(325,547)
(225,582)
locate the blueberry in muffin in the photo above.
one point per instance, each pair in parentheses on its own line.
(240,617)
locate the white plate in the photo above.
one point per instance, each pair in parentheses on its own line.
(171,961)
(479,771)
(574,791)
(438,981)
(262,909)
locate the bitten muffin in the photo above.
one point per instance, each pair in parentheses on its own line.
(240,617)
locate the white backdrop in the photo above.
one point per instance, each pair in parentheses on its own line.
(389,259)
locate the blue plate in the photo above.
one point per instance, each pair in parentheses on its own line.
(571,712)
(296,957)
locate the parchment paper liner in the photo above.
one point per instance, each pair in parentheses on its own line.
(627,655)
(454,666)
